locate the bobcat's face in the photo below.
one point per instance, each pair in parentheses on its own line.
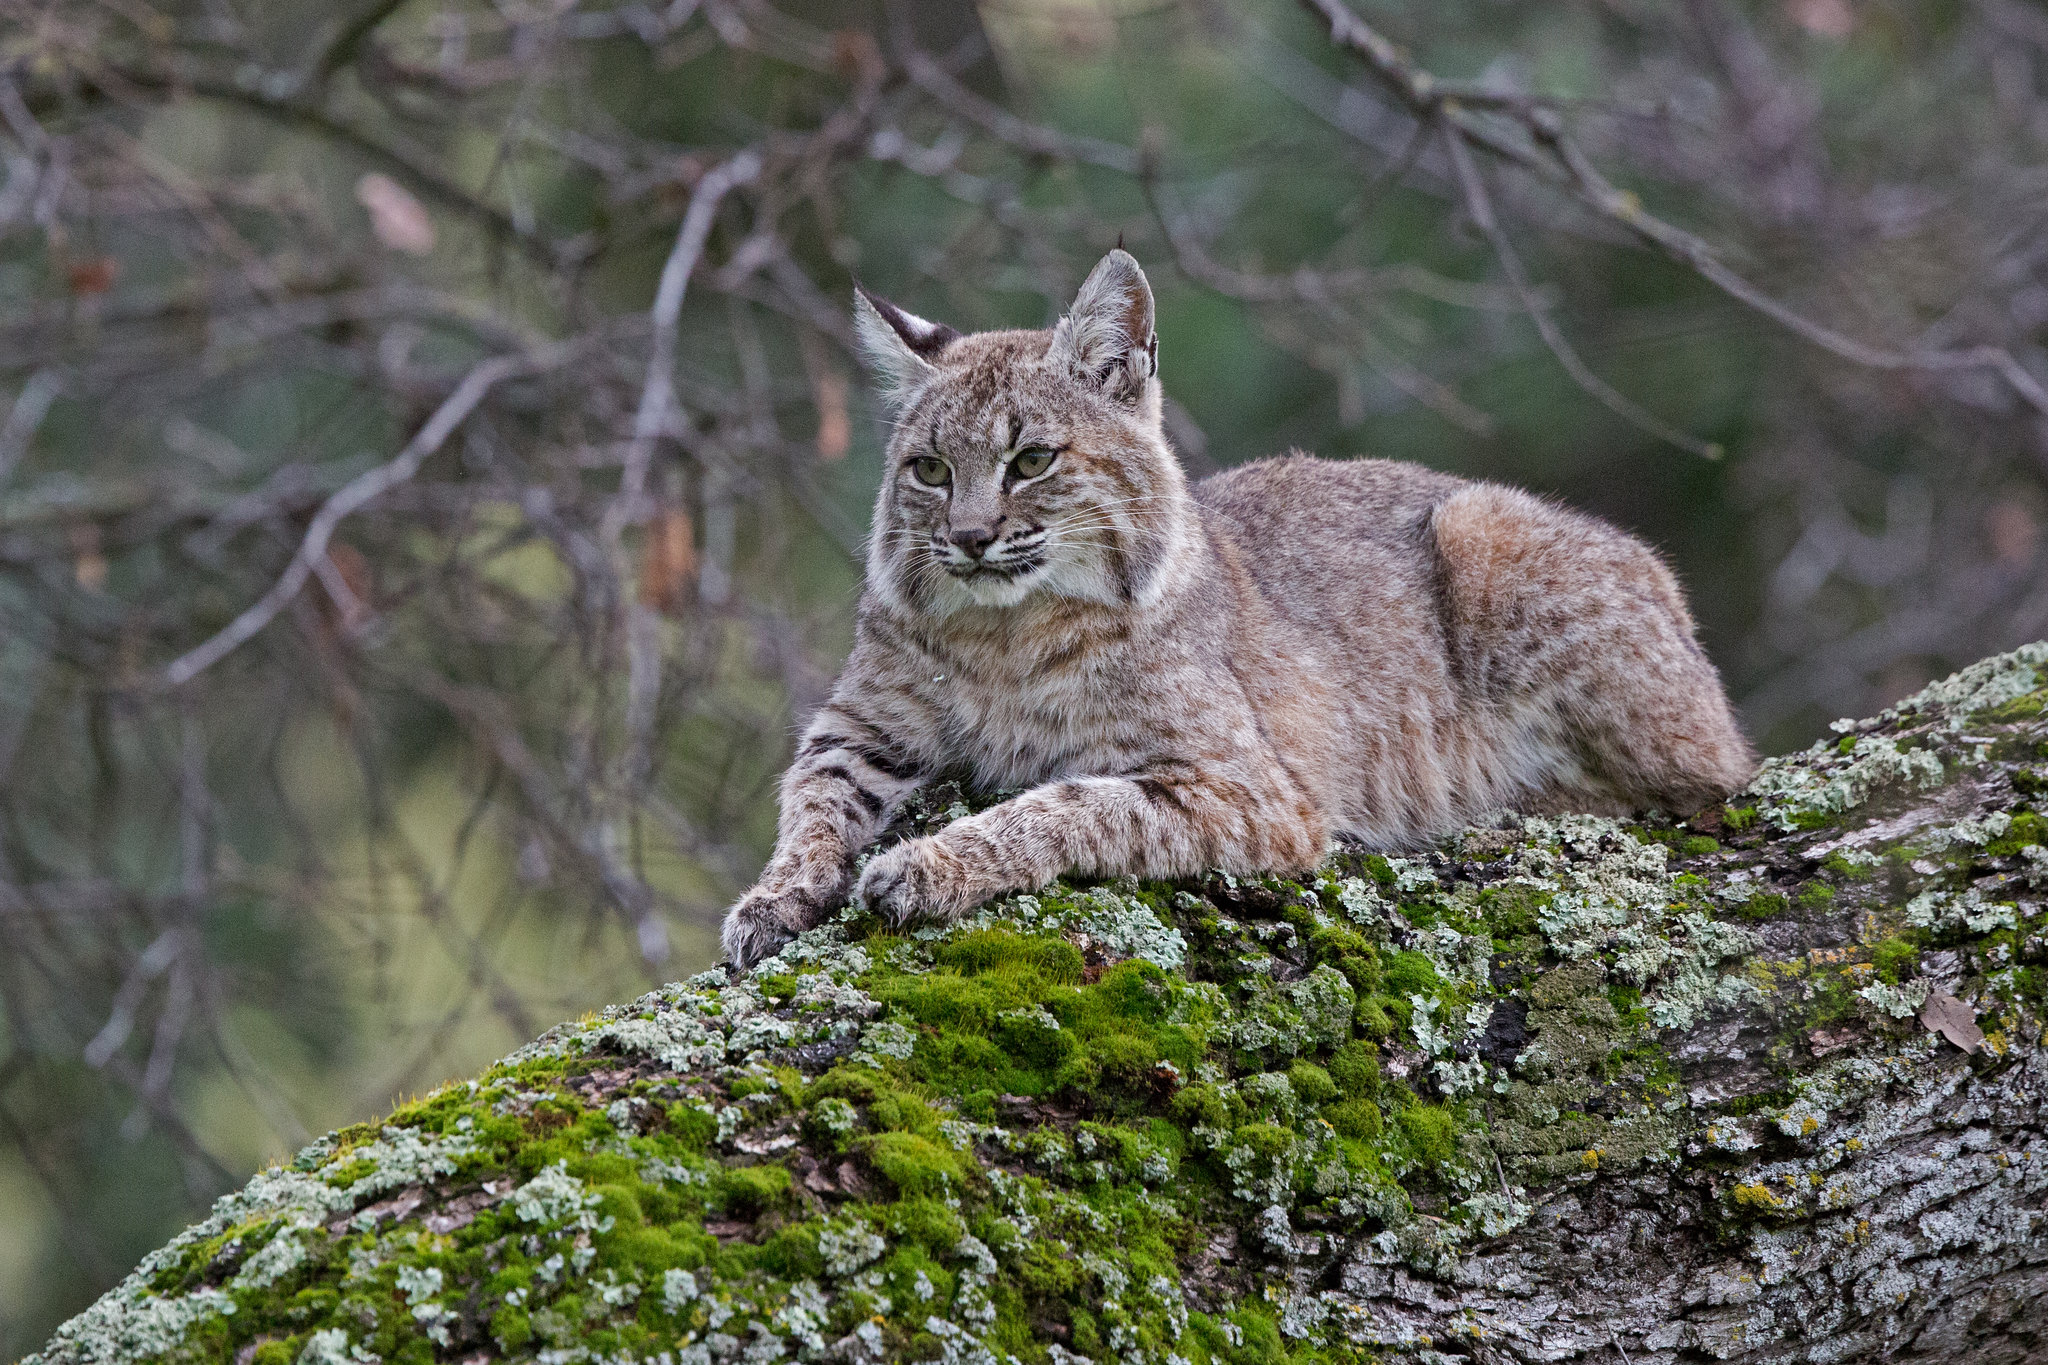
(976,502)
(1024,463)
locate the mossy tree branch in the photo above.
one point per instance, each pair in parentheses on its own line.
(1765,1085)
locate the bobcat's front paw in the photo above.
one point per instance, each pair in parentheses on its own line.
(915,880)
(762,921)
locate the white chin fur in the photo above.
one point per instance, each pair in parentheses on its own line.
(988,590)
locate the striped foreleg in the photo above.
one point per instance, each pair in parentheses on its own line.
(1170,821)
(836,796)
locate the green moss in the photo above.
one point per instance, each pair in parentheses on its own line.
(1742,1105)
(2030,984)
(2027,828)
(1738,817)
(750,1191)
(1357,1118)
(1269,1141)
(1370,1018)
(1202,1104)
(2018,709)
(1311,1083)
(997,951)
(1511,911)
(1431,1132)
(1762,906)
(1894,959)
(1813,895)
(1699,845)
(1356,1069)
(914,1165)
(1410,973)
(1350,953)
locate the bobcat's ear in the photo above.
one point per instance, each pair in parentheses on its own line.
(899,345)
(1107,337)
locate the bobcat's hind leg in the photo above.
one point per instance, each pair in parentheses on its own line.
(1577,636)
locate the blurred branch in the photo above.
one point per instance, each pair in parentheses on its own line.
(348,40)
(657,394)
(31,405)
(119,80)
(1554,157)
(358,493)
(1480,206)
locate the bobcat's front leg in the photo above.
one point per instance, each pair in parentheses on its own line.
(836,796)
(1173,821)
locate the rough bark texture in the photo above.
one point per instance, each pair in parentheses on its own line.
(1764,1087)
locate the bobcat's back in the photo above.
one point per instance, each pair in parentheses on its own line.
(1330,542)
(1489,648)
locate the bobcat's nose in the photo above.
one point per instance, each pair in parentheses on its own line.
(975,540)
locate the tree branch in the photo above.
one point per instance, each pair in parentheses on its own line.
(1565,165)
(353,497)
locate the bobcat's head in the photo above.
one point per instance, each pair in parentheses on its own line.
(1025,463)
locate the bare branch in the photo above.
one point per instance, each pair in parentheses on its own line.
(1566,165)
(1480,206)
(358,493)
(657,394)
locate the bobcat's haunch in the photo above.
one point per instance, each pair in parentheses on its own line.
(1221,676)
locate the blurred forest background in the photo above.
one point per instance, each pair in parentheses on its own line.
(433,467)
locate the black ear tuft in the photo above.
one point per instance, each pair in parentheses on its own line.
(925,338)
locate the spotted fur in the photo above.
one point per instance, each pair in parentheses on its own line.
(1221,676)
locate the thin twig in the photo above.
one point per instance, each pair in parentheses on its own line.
(1566,166)
(312,117)
(658,392)
(31,405)
(1480,206)
(358,493)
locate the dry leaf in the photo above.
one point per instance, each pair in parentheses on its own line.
(1828,18)
(400,221)
(88,562)
(835,424)
(93,275)
(1953,1020)
(1826,1040)
(668,566)
(355,574)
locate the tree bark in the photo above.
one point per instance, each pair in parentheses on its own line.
(1766,1085)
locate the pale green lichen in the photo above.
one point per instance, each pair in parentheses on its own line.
(1967,909)
(1983,685)
(1896,1002)
(1822,783)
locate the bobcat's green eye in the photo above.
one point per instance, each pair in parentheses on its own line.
(1031,463)
(931,471)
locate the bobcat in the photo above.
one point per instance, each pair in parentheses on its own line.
(1219,676)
